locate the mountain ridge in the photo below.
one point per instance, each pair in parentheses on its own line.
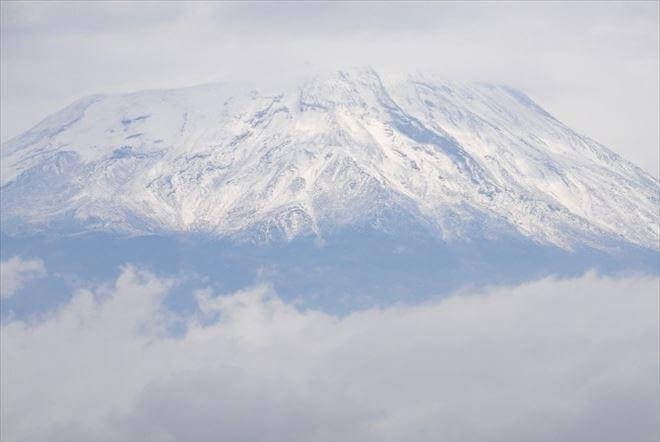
(347,148)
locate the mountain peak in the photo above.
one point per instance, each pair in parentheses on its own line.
(348,148)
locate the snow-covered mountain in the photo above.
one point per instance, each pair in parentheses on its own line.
(305,158)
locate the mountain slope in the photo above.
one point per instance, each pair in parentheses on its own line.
(397,153)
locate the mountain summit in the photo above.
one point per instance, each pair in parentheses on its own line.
(395,153)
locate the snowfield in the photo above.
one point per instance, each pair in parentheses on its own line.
(350,148)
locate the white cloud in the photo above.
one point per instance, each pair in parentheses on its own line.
(16,272)
(572,359)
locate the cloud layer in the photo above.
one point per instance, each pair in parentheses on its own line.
(569,359)
(593,65)
(16,272)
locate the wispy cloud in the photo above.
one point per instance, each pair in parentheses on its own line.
(16,272)
(572,359)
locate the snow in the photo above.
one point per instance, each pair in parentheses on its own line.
(328,150)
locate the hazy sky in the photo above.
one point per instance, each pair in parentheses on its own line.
(593,65)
